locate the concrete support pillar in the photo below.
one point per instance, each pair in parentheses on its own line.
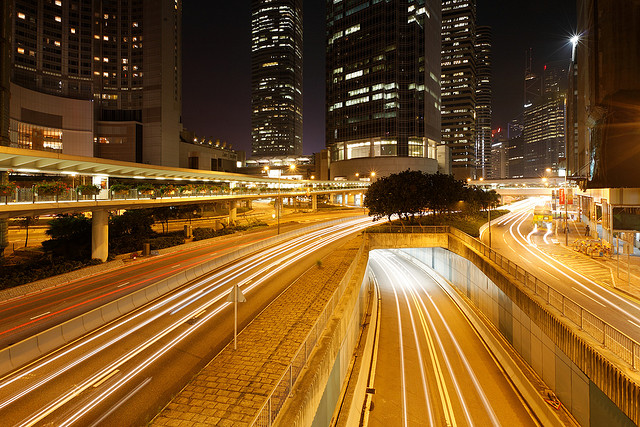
(233,211)
(4,227)
(344,199)
(362,200)
(249,204)
(314,203)
(100,234)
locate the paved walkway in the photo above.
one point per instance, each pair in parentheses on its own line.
(610,271)
(232,388)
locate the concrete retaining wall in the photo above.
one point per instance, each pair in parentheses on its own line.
(595,389)
(317,391)
(31,348)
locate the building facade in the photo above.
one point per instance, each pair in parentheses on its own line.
(544,122)
(608,94)
(483,102)
(382,87)
(121,60)
(459,85)
(276,77)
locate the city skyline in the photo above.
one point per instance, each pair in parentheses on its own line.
(216,64)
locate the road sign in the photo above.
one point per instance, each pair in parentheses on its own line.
(232,295)
(235,296)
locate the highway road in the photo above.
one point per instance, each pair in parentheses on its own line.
(125,372)
(538,251)
(33,313)
(431,368)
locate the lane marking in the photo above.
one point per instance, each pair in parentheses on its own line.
(633,323)
(40,315)
(106,377)
(122,284)
(121,401)
(591,298)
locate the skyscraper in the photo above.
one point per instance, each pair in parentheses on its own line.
(383,87)
(483,102)
(276,77)
(544,121)
(459,85)
(99,78)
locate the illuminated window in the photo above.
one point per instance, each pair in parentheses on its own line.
(21,50)
(57,43)
(58,3)
(58,19)
(106,38)
(21,15)
(73,31)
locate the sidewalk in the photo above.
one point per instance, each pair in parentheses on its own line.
(611,271)
(232,388)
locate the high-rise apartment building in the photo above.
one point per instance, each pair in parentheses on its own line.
(276,77)
(459,85)
(383,87)
(483,102)
(98,78)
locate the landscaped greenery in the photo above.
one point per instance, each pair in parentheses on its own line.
(417,198)
(412,194)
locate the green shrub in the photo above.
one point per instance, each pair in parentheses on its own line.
(165,241)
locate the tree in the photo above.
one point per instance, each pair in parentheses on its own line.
(411,193)
(135,222)
(25,222)
(70,237)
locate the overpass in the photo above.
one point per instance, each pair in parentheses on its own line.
(215,186)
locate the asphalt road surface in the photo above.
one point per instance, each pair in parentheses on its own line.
(124,372)
(431,368)
(23,317)
(537,251)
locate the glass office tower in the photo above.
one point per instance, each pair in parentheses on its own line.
(383,86)
(276,77)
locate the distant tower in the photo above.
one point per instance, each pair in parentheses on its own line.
(276,77)
(483,101)
(544,115)
(532,87)
(459,85)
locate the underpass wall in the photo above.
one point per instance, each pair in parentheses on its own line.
(571,365)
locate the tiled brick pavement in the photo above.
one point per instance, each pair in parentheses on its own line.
(231,389)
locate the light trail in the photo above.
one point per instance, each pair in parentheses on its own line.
(306,244)
(610,299)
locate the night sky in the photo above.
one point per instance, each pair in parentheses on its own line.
(216,63)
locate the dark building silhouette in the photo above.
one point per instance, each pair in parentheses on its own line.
(459,85)
(483,102)
(276,77)
(383,87)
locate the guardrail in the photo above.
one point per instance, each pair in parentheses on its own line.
(278,396)
(22,352)
(619,343)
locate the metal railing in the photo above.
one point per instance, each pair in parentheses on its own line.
(619,343)
(391,228)
(30,195)
(278,396)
